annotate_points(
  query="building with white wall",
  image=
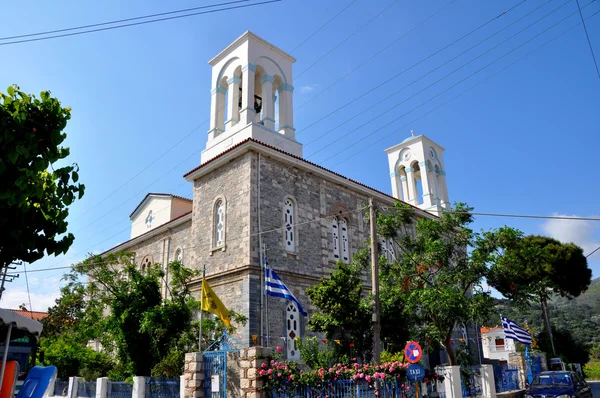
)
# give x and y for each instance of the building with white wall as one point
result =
(495, 345)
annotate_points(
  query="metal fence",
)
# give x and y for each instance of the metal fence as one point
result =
(506, 378)
(347, 389)
(162, 387)
(470, 380)
(119, 389)
(86, 389)
(61, 388)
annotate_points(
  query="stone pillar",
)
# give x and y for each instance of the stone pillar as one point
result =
(452, 386)
(268, 107)
(404, 193)
(286, 111)
(250, 361)
(139, 387)
(102, 387)
(412, 187)
(517, 360)
(233, 98)
(247, 113)
(73, 386)
(425, 183)
(217, 121)
(193, 375)
(396, 188)
(488, 383)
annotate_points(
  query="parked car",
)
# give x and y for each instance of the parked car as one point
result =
(558, 384)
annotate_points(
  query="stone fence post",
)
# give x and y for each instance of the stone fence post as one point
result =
(193, 375)
(73, 386)
(488, 383)
(250, 361)
(517, 359)
(139, 387)
(451, 384)
(102, 387)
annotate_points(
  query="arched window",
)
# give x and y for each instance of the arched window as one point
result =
(289, 219)
(146, 263)
(179, 254)
(219, 224)
(292, 317)
(341, 249)
(387, 249)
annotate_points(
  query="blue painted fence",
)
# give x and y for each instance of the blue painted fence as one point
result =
(470, 380)
(86, 389)
(120, 389)
(506, 378)
(61, 388)
(347, 389)
(162, 387)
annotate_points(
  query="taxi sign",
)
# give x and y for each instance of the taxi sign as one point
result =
(415, 372)
(413, 352)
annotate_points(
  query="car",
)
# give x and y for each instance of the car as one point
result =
(558, 384)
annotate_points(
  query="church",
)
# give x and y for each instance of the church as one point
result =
(255, 197)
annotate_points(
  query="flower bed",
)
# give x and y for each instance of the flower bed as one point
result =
(286, 376)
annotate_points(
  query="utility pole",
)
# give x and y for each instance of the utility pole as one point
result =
(545, 310)
(201, 302)
(6, 277)
(375, 284)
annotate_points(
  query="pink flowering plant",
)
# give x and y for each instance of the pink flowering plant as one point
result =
(287, 376)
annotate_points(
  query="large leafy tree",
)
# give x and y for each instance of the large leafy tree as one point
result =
(36, 192)
(539, 267)
(437, 275)
(433, 282)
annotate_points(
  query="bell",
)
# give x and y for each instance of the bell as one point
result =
(257, 104)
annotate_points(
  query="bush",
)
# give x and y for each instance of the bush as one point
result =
(316, 354)
(591, 370)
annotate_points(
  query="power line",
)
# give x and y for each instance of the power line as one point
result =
(463, 92)
(424, 75)
(594, 251)
(119, 21)
(588, 39)
(443, 91)
(279, 229)
(138, 23)
(197, 127)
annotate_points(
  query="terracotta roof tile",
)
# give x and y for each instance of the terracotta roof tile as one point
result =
(485, 329)
(35, 315)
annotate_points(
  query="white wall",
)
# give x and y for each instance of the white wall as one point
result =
(493, 351)
(161, 213)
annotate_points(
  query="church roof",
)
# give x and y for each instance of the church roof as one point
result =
(166, 195)
(250, 140)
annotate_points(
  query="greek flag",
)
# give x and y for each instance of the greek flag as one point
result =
(276, 288)
(515, 332)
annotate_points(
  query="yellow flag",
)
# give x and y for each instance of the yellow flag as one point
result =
(212, 304)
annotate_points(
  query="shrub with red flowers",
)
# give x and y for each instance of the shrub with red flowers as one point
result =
(286, 376)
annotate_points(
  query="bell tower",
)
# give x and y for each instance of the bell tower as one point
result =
(251, 97)
(418, 174)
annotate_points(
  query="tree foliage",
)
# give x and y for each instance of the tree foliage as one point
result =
(537, 267)
(123, 308)
(34, 200)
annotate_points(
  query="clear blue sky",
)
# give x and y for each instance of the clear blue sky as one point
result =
(523, 141)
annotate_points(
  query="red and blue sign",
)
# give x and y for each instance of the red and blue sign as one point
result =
(415, 372)
(413, 352)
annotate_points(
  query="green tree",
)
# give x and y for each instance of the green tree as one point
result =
(437, 276)
(570, 350)
(34, 200)
(539, 267)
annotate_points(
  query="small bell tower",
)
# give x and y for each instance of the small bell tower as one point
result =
(251, 97)
(418, 174)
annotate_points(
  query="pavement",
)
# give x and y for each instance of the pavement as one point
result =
(595, 386)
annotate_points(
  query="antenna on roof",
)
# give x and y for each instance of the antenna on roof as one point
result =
(412, 132)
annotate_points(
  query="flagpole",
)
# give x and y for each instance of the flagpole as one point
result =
(266, 301)
(201, 298)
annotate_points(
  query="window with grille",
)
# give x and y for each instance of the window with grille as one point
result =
(293, 331)
(289, 219)
(341, 249)
(219, 227)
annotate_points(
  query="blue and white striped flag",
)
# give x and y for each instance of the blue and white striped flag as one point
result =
(276, 288)
(515, 332)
